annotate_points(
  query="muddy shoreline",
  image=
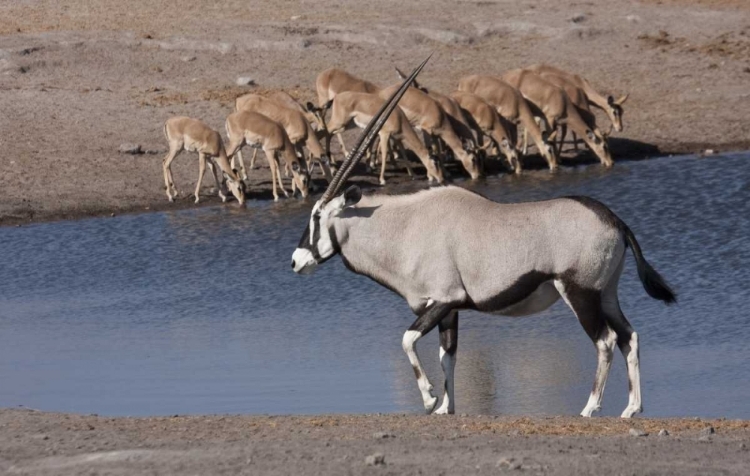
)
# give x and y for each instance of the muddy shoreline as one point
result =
(261, 189)
(33, 442)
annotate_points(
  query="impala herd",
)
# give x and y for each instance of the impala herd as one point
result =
(481, 118)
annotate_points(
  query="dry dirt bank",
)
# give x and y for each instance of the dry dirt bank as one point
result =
(78, 79)
(65, 444)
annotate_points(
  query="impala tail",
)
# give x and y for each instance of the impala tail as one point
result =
(653, 283)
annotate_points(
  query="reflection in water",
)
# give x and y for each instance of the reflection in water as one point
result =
(198, 312)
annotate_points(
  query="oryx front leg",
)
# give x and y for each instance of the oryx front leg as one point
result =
(424, 324)
(448, 344)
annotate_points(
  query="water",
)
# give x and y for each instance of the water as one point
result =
(198, 312)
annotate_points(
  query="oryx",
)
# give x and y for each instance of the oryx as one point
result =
(447, 249)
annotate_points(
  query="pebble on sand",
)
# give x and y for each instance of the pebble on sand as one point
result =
(637, 432)
(132, 149)
(245, 81)
(376, 459)
(663, 432)
(378, 435)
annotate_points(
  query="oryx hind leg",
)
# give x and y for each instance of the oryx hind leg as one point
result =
(587, 306)
(424, 324)
(627, 341)
(448, 345)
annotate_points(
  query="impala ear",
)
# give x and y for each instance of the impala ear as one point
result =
(467, 145)
(295, 166)
(352, 196)
(327, 105)
(551, 136)
(622, 100)
(310, 106)
(610, 100)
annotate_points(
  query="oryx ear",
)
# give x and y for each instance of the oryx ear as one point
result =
(620, 101)
(310, 106)
(352, 196)
(295, 166)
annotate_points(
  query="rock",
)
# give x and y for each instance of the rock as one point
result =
(188, 59)
(509, 463)
(663, 432)
(707, 431)
(578, 18)
(633, 18)
(245, 81)
(295, 17)
(637, 432)
(133, 149)
(377, 459)
(743, 446)
(379, 435)
(709, 152)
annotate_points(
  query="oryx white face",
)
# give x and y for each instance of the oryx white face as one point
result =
(319, 243)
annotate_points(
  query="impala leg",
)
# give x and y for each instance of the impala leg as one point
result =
(448, 345)
(201, 173)
(277, 161)
(424, 324)
(167, 169)
(404, 158)
(563, 133)
(575, 141)
(587, 306)
(219, 185)
(252, 159)
(341, 141)
(525, 149)
(237, 157)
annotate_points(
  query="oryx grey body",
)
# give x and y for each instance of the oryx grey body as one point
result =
(457, 250)
(448, 249)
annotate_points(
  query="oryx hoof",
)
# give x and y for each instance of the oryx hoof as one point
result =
(429, 405)
(588, 411)
(444, 410)
(631, 411)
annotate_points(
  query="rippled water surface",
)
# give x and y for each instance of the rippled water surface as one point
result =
(198, 312)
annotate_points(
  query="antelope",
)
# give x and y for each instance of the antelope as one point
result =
(359, 108)
(294, 123)
(286, 99)
(457, 250)
(455, 114)
(424, 113)
(257, 130)
(612, 107)
(578, 98)
(510, 105)
(192, 135)
(488, 123)
(328, 84)
(557, 110)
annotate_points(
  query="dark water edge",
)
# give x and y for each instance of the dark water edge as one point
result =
(196, 311)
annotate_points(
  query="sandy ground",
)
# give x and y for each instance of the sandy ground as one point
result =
(63, 444)
(77, 79)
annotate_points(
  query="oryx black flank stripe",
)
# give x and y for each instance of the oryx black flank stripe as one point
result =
(515, 293)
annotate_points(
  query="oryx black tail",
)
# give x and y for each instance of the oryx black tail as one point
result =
(653, 282)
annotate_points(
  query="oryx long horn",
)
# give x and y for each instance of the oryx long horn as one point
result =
(368, 135)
